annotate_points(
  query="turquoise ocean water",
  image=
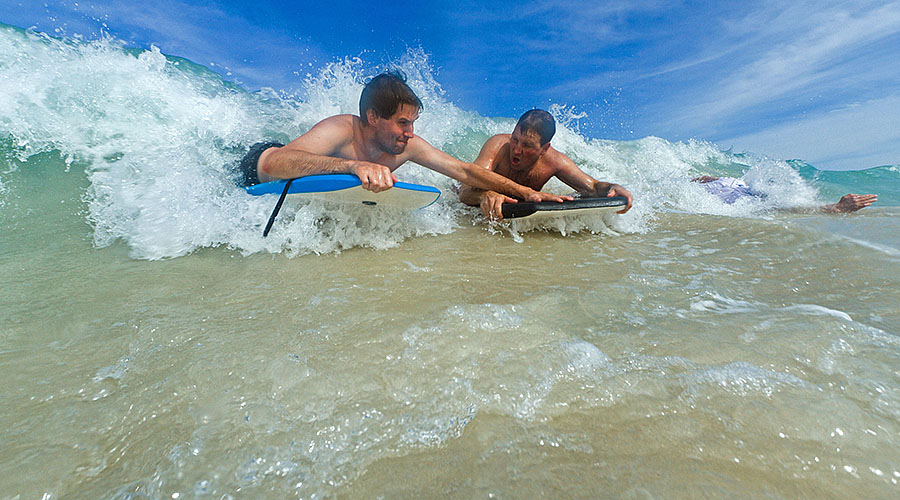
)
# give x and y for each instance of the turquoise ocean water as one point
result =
(154, 345)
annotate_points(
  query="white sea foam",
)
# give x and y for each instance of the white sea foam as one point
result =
(819, 310)
(740, 378)
(723, 305)
(885, 249)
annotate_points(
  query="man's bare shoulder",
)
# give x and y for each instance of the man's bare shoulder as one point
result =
(338, 123)
(498, 139)
(487, 157)
(340, 120)
(557, 159)
(494, 143)
(335, 130)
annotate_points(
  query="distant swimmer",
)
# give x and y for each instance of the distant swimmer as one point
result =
(371, 146)
(526, 157)
(730, 189)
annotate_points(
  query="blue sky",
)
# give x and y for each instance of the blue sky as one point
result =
(817, 80)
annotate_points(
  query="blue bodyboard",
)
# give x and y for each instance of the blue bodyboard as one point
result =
(347, 188)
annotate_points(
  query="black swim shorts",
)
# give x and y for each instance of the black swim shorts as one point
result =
(246, 170)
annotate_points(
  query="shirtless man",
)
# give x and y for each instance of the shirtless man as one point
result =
(371, 146)
(526, 157)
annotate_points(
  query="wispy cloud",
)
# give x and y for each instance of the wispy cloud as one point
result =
(861, 135)
(557, 28)
(736, 72)
(779, 71)
(203, 32)
(815, 55)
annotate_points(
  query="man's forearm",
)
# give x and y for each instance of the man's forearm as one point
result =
(485, 180)
(291, 163)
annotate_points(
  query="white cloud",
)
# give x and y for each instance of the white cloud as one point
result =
(814, 53)
(201, 32)
(788, 72)
(860, 136)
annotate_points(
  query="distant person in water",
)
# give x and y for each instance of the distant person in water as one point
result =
(371, 146)
(526, 157)
(730, 189)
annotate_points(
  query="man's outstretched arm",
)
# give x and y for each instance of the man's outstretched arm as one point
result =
(470, 174)
(851, 203)
(575, 178)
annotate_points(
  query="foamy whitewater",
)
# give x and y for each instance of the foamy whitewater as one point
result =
(154, 345)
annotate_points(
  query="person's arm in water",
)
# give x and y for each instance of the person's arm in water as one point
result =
(847, 203)
(471, 174)
(575, 178)
(315, 153)
(851, 203)
(490, 202)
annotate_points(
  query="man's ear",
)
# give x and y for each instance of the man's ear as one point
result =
(371, 115)
(545, 147)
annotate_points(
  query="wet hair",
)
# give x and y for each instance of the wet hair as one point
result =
(539, 121)
(385, 94)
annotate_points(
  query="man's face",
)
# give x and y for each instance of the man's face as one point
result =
(393, 134)
(525, 149)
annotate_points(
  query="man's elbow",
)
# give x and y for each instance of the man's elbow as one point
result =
(468, 196)
(267, 163)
